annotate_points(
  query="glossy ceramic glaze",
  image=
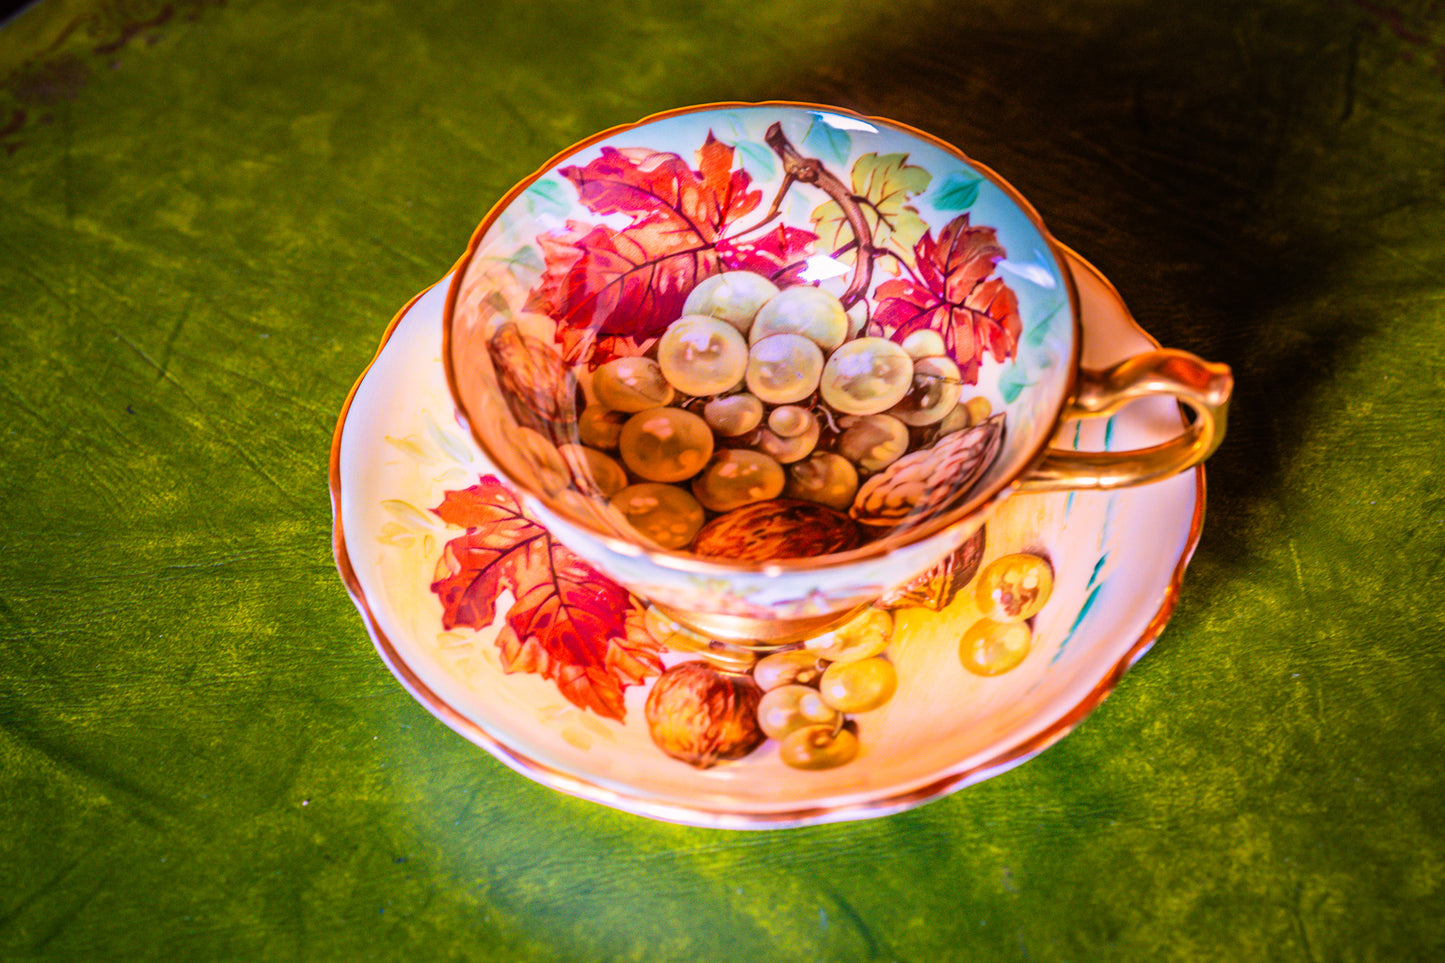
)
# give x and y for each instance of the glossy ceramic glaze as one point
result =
(1117, 557)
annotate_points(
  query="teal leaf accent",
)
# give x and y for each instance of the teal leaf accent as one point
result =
(1083, 613)
(1039, 332)
(1012, 384)
(546, 196)
(528, 257)
(826, 139)
(957, 192)
(757, 159)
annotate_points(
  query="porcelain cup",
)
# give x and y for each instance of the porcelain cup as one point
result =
(904, 353)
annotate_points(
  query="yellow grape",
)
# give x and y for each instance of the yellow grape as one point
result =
(866, 376)
(799, 434)
(818, 747)
(865, 635)
(992, 648)
(790, 707)
(825, 478)
(702, 356)
(784, 368)
(666, 444)
(631, 385)
(1013, 588)
(736, 477)
(600, 426)
(592, 470)
(937, 384)
(924, 343)
(872, 442)
(794, 666)
(811, 312)
(733, 415)
(733, 296)
(664, 513)
(859, 686)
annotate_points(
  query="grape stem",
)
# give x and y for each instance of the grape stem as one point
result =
(810, 170)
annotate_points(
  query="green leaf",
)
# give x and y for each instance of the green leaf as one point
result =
(957, 192)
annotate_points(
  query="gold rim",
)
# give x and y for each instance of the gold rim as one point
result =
(701, 815)
(693, 564)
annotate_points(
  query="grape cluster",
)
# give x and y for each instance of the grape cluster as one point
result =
(758, 393)
(810, 693)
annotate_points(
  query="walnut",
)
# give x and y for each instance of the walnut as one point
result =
(702, 715)
(938, 586)
(929, 481)
(540, 391)
(776, 529)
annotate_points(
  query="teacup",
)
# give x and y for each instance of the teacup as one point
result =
(763, 363)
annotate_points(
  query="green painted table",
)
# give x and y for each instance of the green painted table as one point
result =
(209, 212)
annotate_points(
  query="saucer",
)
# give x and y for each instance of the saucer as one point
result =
(570, 713)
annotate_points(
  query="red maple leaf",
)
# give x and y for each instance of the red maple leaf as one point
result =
(955, 296)
(568, 623)
(631, 282)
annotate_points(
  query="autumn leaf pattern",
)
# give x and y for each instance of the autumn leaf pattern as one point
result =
(568, 624)
(602, 283)
(955, 294)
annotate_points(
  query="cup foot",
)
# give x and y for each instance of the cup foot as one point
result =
(735, 642)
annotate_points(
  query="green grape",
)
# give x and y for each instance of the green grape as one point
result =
(591, 470)
(992, 648)
(865, 635)
(631, 385)
(937, 384)
(791, 434)
(818, 747)
(600, 427)
(859, 686)
(872, 442)
(795, 666)
(736, 477)
(666, 444)
(824, 478)
(733, 296)
(924, 343)
(811, 312)
(784, 368)
(702, 356)
(866, 376)
(1014, 587)
(979, 409)
(664, 513)
(733, 415)
(790, 707)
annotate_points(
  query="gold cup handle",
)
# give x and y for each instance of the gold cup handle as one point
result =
(1202, 386)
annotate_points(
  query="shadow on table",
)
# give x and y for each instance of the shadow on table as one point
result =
(1178, 149)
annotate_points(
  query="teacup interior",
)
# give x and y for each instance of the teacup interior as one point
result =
(762, 332)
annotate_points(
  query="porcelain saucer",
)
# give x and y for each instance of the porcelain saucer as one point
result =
(575, 721)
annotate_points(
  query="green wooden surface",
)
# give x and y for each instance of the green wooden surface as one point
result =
(209, 212)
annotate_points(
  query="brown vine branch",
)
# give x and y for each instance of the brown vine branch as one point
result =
(810, 170)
